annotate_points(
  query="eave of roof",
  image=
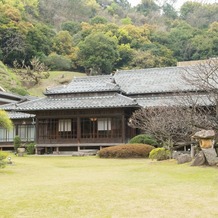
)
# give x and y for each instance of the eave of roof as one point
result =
(19, 115)
(11, 96)
(89, 102)
(175, 100)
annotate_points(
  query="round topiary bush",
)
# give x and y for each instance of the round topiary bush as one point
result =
(126, 151)
(159, 154)
(143, 139)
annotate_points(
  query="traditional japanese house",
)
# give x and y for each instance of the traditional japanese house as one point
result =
(90, 112)
(23, 123)
(93, 111)
(23, 126)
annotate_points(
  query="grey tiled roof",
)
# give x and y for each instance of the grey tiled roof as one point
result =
(19, 115)
(7, 97)
(86, 84)
(102, 91)
(11, 95)
(112, 100)
(153, 80)
(174, 100)
(8, 107)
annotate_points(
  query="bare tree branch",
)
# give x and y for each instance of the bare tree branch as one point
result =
(171, 124)
(33, 72)
(204, 76)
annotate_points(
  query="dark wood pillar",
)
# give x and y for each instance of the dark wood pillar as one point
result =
(36, 126)
(123, 129)
(78, 129)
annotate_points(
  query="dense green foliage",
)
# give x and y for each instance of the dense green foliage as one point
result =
(17, 142)
(143, 139)
(58, 62)
(102, 35)
(126, 151)
(98, 53)
(159, 154)
(5, 121)
(30, 148)
(3, 156)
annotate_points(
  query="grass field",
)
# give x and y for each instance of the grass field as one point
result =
(50, 187)
(56, 78)
(9, 79)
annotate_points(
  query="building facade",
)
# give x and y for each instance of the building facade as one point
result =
(93, 111)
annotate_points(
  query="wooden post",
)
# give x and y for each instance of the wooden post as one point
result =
(78, 129)
(36, 150)
(57, 150)
(36, 130)
(192, 151)
(123, 129)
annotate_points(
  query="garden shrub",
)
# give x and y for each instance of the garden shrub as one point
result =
(30, 148)
(126, 151)
(17, 142)
(143, 139)
(19, 91)
(3, 156)
(58, 62)
(159, 154)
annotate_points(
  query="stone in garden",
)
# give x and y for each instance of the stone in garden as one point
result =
(199, 159)
(204, 134)
(211, 156)
(184, 158)
(205, 138)
(176, 154)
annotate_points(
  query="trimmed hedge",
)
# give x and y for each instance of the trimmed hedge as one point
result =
(159, 154)
(126, 151)
(143, 139)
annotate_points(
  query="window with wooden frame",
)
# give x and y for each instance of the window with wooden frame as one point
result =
(104, 127)
(7, 135)
(96, 127)
(67, 128)
(26, 132)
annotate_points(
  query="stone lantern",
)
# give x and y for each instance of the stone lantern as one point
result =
(205, 138)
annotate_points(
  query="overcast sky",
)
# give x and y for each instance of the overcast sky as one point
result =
(177, 4)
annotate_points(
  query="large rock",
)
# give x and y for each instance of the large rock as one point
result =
(184, 158)
(211, 156)
(199, 159)
(176, 154)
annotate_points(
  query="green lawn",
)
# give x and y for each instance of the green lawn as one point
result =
(50, 187)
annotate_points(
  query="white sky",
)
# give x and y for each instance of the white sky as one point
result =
(177, 4)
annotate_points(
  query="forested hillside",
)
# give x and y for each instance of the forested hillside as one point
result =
(99, 36)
